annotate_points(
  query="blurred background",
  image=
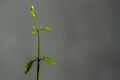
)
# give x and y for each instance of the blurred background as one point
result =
(84, 40)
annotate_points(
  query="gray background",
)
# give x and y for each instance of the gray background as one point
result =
(84, 40)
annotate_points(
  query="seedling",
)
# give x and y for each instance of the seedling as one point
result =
(37, 29)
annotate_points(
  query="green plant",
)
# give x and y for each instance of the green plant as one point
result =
(37, 29)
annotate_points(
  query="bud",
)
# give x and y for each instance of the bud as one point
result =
(32, 10)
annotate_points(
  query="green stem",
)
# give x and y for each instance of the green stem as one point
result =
(38, 31)
(38, 69)
(38, 60)
(36, 22)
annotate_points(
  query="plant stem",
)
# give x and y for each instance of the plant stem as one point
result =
(38, 31)
(38, 69)
(38, 60)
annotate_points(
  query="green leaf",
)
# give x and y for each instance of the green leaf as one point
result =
(35, 55)
(46, 29)
(28, 66)
(49, 59)
(33, 33)
(34, 27)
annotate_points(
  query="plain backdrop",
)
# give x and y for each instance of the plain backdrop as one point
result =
(84, 40)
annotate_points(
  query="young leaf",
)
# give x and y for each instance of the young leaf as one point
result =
(33, 33)
(34, 27)
(49, 59)
(28, 66)
(46, 29)
(35, 55)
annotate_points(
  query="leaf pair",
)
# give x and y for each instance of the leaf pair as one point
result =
(45, 58)
(35, 28)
